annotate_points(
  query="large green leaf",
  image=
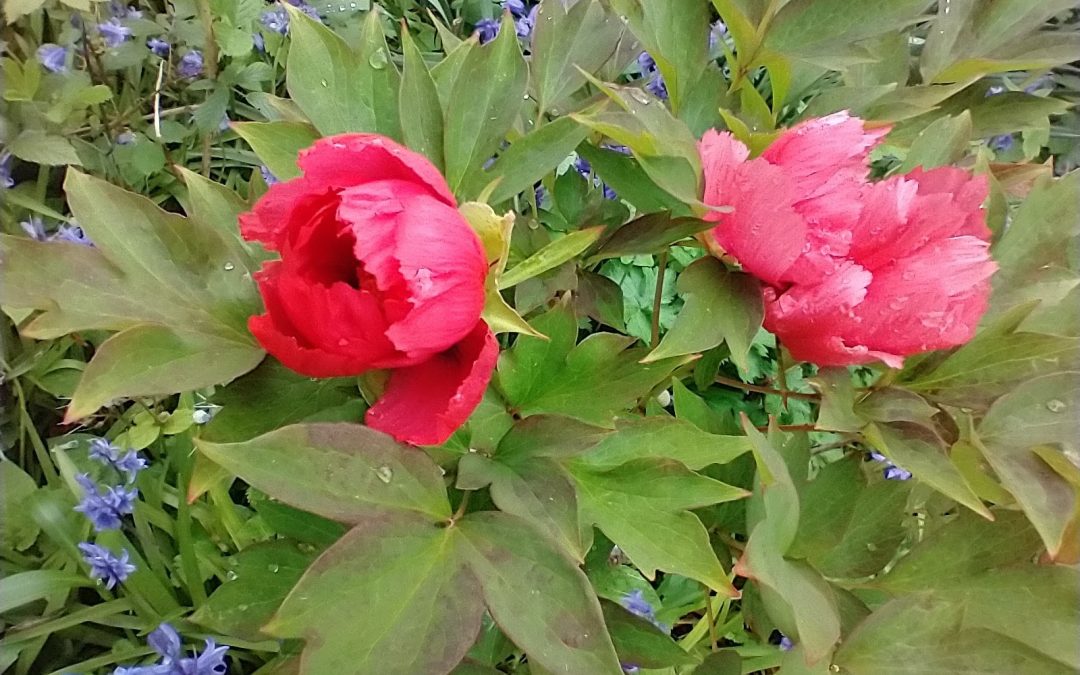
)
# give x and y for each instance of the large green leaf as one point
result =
(277, 144)
(643, 507)
(675, 33)
(1039, 412)
(663, 437)
(530, 158)
(919, 451)
(592, 382)
(181, 286)
(483, 104)
(535, 489)
(421, 112)
(804, 602)
(583, 36)
(962, 548)
(639, 642)
(340, 471)
(536, 594)
(260, 578)
(402, 601)
(810, 28)
(338, 88)
(662, 144)
(848, 528)
(626, 177)
(551, 256)
(721, 306)
(648, 235)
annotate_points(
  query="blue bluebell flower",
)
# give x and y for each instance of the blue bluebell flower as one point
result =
(516, 7)
(34, 227)
(541, 193)
(630, 668)
(616, 147)
(105, 508)
(166, 642)
(126, 137)
(785, 643)
(105, 565)
(6, 181)
(609, 193)
(159, 47)
(891, 471)
(717, 32)
(646, 63)
(52, 57)
(657, 87)
(635, 603)
(129, 464)
(487, 29)
(259, 41)
(113, 32)
(524, 26)
(582, 166)
(72, 233)
(276, 20)
(191, 65)
(1002, 143)
(268, 177)
(306, 8)
(995, 90)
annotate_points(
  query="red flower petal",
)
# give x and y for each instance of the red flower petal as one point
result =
(284, 205)
(763, 232)
(426, 403)
(422, 251)
(346, 160)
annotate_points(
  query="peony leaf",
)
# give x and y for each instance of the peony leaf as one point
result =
(420, 109)
(277, 144)
(721, 306)
(528, 159)
(340, 471)
(634, 501)
(551, 256)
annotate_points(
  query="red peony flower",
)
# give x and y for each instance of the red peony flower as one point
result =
(854, 271)
(377, 270)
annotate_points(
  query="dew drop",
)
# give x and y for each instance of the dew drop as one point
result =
(323, 83)
(274, 568)
(378, 59)
(385, 474)
(639, 96)
(230, 575)
(229, 267)
(1055, 406)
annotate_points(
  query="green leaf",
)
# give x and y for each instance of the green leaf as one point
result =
(675, 35)
(919, 451)
(445, 73)
(1039, 412)
(483, 104)
(892, 404)
(340, 471)
(270, 397)
(809, 608)
(260, 577)
(174, 283)
(591, 382)
(648, 235)
(551, 256)
(920, 634)
(340, 89)
(535, 489)
(847, 528)
(943, 142)
(549, 436)
(293, 523)
(584, 36)
(721, 306)
(402, 599)
(626, 177)
(148, 360)
(529, 159)
(639, 642)
(277, 144)
(537, 596)
(663, 145)
(837, 400)
(813, 27)
(663, 438)
(17, 529)
(962, 548)
(39, 147)
(420, 110)
(633, 502)
(23, 588)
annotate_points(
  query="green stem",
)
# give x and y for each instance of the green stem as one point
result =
(658, 297)
(189, 562)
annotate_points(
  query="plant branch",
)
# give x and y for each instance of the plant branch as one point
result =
(658, 297)
(736, 384)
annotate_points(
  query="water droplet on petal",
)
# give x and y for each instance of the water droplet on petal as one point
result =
(343, 342)
(385, 474)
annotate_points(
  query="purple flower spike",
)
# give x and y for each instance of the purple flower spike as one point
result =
(487, 29)
(159, 47)
(113, 32)
(191, 65)
(105, 565)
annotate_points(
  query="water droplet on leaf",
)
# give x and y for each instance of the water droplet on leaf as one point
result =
(1055, 406)
(385, 474)
(229, 267)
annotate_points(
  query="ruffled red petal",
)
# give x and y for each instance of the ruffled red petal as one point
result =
(424, 404)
